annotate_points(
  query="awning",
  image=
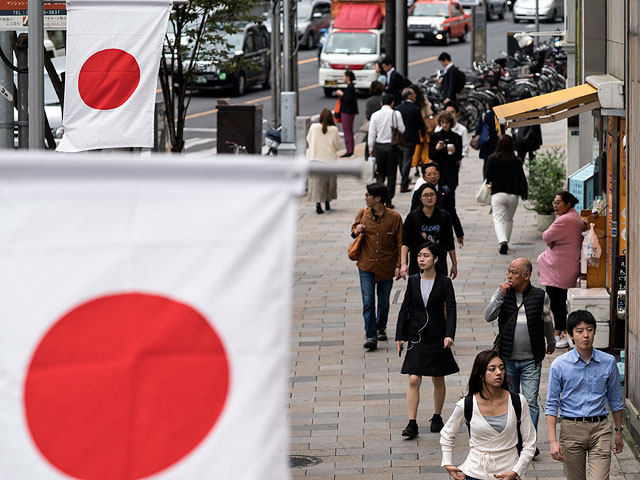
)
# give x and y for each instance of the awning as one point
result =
(549, 107)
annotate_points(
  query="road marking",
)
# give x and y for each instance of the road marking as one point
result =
(256, 100)
(308, 60)
(201, 114)
(199, 129)
(424, 60)
(193, 142)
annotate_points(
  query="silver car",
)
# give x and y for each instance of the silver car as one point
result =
(494, 8)
(548, 10)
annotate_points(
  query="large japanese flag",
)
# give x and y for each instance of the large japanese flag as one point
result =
(144, 315)
(113, 56)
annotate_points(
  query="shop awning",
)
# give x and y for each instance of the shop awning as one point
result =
(549, 107)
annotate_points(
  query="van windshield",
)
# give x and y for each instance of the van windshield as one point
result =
(430, 10)
(351, 43)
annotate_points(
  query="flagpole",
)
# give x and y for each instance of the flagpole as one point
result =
(36, 74)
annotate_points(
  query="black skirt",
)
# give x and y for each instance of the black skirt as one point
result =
(427, 358)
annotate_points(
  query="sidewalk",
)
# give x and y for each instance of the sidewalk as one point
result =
(348, 407)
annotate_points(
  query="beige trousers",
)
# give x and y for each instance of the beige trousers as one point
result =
(579, 439)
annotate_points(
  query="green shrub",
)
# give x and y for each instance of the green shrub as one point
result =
(546, 178)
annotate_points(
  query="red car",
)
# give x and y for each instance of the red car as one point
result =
(438, 21)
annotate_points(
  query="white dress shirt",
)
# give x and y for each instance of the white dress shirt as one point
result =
(381, 123)
(462, 131)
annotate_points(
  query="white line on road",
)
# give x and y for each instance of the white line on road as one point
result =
(198, 129)
(192, 142)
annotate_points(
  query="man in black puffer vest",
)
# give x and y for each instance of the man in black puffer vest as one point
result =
(523, 330)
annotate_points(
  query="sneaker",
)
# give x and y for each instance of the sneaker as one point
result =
(371, 344)
(436, 423)
(382, 335)
(562, 341)
(412, 430)
(504, 249)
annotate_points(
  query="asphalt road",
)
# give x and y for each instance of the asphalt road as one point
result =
(200, 131)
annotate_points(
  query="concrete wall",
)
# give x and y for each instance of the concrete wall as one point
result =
(593, 44)
(615, 38)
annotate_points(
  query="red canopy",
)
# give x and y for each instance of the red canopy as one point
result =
(358, 16)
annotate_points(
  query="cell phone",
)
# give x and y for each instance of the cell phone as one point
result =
(400, 351)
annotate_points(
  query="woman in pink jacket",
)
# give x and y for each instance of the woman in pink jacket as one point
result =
(559, 264)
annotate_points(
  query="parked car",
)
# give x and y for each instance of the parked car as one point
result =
(493, 8)
(312, 17)
(250, 43)
(438, 21)
(548, 10)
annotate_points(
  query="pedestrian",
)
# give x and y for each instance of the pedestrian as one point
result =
(381, 147)
(445, 148)
(508, 182)
(527, 139)
(323, 140)
(523, 331)
(395, 80)
(454, 109)
(379, 260)
(489, 136)
(448, 83)
(581, 383)
(429, 223)
(414, 128)
(445, 198)
(493, 426)
(559, 264)
(382, 76)
(427, 324)
(421, 153)
(371, 106)
(348, 110)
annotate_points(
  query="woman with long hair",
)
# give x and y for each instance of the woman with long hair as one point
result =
(323, 140)
(421, 153)
(559, 264)
(493, 427)
(427, 325)
(508, 182)
(348, 110)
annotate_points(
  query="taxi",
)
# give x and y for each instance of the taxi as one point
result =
(438, 21)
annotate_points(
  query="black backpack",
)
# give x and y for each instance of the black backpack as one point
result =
(405, 82)
(517, 406)
(461, 80)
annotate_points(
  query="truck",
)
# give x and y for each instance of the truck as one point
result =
(355, 42)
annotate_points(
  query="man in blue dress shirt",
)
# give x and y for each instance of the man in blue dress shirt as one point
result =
(581, 382)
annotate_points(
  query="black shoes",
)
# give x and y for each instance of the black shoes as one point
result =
(436, 423)
(345, 155)
(412, 430)
(319, 208)
(371, 345)
(537, 453)
(382, 334)
(504, 248)
(327, 206)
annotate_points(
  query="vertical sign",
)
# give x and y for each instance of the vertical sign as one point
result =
(612, 227)
(622, 190)
(478, 33)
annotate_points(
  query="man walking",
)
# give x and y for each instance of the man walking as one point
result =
(379, 260)
(395, 80)
(448, 85)
(413, 128)
(581, 382)
(381, 147)
(523, 331)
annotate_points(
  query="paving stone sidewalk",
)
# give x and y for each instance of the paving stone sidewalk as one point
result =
(348, 407)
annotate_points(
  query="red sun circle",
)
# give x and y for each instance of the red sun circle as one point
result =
(123, 386)
(108, 78)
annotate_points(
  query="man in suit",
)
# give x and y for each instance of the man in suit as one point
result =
(413, 128)
(445, 199)
(448, 84)
(395, 80)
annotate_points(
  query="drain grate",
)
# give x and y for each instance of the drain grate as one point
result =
(303, 461)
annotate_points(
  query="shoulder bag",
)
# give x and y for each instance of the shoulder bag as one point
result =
(397, 138)
(336, 111)
(483, 194)
(497, 342)
(356, 246)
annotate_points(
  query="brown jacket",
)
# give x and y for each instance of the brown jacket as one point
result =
(382, 244)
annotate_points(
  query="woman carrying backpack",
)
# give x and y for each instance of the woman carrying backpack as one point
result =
(494, 426)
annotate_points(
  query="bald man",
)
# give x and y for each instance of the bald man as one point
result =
(524, 330)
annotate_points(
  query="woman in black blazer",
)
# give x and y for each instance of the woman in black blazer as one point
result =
(427, 325)
(348, 110)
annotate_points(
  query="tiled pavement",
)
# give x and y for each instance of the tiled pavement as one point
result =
(348, 407)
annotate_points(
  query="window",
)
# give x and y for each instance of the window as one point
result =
(430, 10)
(250, 43)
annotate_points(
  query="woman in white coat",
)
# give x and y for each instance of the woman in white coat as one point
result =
(324, 142)
(493, 428)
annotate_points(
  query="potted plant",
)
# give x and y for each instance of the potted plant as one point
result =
(546, 178)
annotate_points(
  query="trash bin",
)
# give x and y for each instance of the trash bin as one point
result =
(241, 124)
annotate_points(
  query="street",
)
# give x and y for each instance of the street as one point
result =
(200, 131)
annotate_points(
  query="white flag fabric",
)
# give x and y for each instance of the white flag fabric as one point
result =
(113, 57)
(144, 318)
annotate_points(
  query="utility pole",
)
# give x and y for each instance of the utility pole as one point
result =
(537, 20)
(276, 61)
(288, 95)
(36, 74)
(6, 104)
(23, 89)
(401, 38)
(390, 28)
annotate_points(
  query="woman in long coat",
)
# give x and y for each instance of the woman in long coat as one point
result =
(324, 142)
(427, 326)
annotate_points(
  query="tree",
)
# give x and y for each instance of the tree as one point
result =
(197, 37)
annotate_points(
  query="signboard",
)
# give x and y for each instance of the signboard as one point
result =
(622, 191)
(13, 15)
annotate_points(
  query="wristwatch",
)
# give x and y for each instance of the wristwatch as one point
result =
(619, 429)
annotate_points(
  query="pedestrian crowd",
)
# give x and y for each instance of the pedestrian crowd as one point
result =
(500, 410)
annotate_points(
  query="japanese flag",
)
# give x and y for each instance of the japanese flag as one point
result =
(113, 57)
(144, 315)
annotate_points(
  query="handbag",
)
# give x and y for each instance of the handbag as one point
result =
(430, 123)
(397, 138)
(483, 195)
(498, 340)
(356, 246)
(336, 111)
(475, 142)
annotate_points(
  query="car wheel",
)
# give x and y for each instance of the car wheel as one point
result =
(310, 43)
(447, 38)
(501, 14)
(515, 19)
(241, 85)
(266, 84)
(489, 12)
(555, 15)
(463, 37)
(328, 92)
